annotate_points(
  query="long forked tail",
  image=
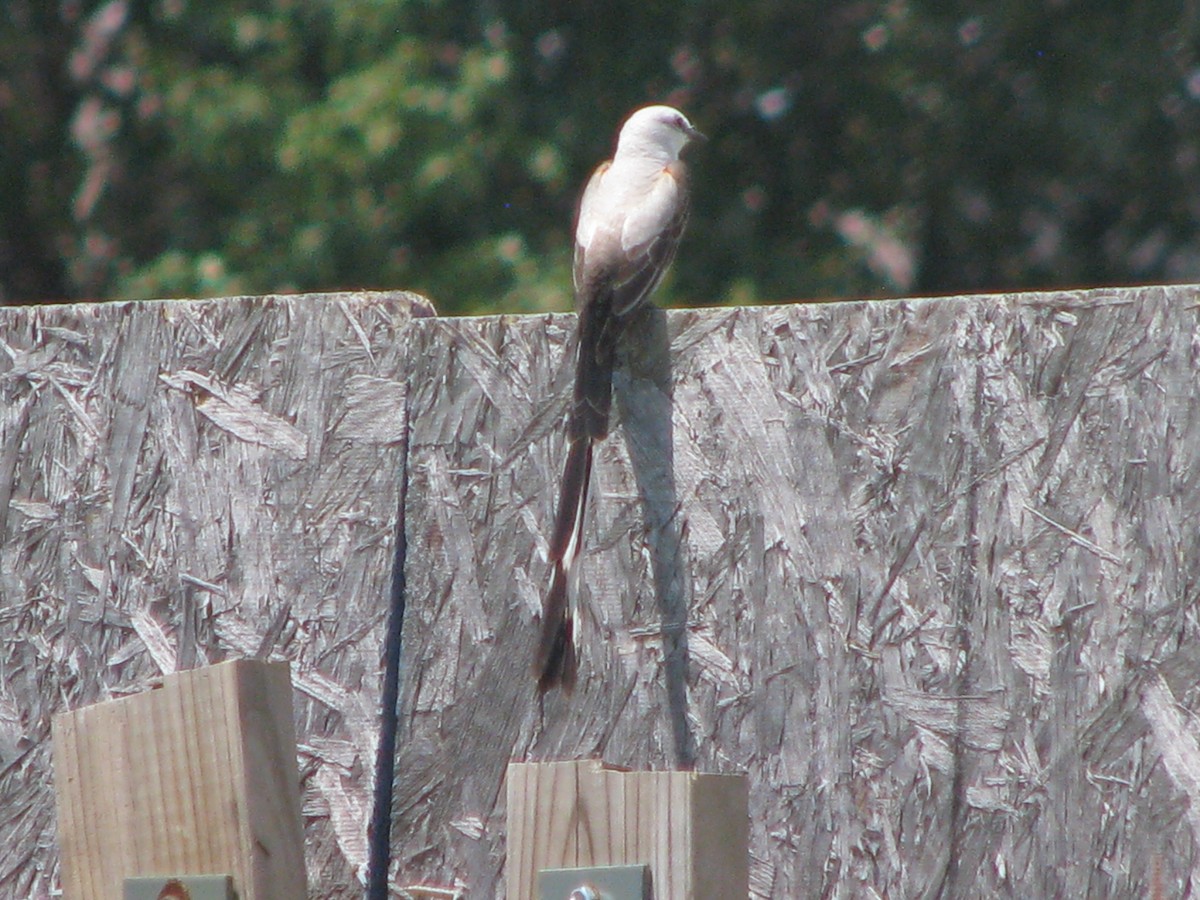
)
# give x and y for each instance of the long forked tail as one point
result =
(556, 664)
(557, 661)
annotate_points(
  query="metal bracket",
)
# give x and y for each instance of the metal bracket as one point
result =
(595, 883)
(180, 887)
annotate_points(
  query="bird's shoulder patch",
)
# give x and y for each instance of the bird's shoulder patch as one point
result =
(597, 177)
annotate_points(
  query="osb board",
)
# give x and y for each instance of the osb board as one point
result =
(925, 570)
(185, 482)
(928, 569)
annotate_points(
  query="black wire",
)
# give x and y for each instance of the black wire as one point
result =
(379, 835)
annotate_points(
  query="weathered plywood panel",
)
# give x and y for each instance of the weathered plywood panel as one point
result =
(925, 570)
(185, 482)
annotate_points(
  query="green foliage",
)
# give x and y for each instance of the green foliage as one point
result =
(187, 149)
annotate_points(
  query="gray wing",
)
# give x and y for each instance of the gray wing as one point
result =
(633, 260)
(615, 277)
(649, 239)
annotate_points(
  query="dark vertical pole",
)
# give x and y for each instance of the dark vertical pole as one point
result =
(379, 835)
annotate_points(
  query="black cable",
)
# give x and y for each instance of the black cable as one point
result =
(379, 835)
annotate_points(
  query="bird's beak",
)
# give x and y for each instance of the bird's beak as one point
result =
(695, 135)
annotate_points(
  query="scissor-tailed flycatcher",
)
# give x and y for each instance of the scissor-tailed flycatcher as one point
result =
(630, 218)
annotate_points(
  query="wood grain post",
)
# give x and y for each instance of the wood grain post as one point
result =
(691, 829)
(198, 777)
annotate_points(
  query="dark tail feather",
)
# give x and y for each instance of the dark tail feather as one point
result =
(598, 333)
(556, 663)
(572, 500)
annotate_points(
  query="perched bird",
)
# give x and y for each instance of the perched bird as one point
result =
(630, 217)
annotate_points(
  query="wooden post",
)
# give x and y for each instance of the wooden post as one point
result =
(196, 778)
(691, 829)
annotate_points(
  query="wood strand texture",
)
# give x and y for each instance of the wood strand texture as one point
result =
(187, 482)
(924, 569)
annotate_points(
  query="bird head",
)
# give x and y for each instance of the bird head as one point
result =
(658, 132)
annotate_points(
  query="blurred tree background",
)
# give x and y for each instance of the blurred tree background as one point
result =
(171, 148)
